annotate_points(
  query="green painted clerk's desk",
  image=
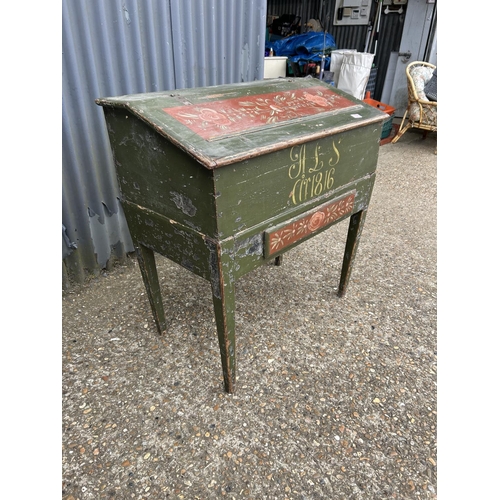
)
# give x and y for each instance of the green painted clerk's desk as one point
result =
(224, 179)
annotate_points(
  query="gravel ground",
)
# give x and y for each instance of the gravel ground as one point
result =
(335, 398)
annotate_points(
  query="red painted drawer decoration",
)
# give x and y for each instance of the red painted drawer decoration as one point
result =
(279, 238)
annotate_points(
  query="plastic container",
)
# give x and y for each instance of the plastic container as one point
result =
(387, 125)
(275, 67)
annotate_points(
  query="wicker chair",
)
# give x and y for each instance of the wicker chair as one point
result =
(420, 112)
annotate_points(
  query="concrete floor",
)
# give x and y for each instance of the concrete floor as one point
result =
(335, 398)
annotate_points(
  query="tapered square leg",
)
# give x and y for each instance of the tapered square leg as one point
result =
(353, 235)
(223, 294)
(147, 264)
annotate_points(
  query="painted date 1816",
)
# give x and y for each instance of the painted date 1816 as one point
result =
(313, 176)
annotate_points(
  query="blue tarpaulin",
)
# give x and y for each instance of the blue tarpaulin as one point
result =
(308, 47)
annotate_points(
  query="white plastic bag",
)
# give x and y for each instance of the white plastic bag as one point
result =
(355, 73)
(336, 58)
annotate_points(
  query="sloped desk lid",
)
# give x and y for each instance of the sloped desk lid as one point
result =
(225, 124)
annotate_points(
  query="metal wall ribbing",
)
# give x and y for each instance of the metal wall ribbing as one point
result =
(311, 9)
(121, 47)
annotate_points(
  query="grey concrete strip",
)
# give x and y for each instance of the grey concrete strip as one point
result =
(336, 398)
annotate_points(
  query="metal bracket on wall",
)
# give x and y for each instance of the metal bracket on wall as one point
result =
(392, 11)
(406, 56)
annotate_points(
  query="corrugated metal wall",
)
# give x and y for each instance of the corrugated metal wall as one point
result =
(117, 47)
(306, 10)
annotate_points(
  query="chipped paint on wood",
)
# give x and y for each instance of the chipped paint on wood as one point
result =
(184, 204)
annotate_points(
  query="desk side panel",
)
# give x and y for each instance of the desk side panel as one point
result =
(155, 174)
(178, 243)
